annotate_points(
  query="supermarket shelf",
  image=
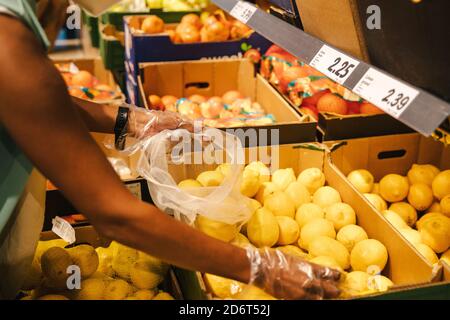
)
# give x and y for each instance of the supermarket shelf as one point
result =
(415, 107)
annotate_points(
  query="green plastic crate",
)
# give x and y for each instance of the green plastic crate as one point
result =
(112, 53)
(92, 25)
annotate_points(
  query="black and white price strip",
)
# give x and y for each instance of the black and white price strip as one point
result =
(390, 95)
(243, 11)
(334, 64)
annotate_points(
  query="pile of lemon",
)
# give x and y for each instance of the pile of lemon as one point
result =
(424, 192)
(301, 216)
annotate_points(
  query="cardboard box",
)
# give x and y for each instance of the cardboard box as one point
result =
(140, 48)
(88, 235)
(56, 203)
(405, 266)
(183, 79)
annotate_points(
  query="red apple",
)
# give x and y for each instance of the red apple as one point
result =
(369, 108)
(354, 107)
(289, 75)
(333, 104)
(315, 98)
(253, 54)
(310, 110)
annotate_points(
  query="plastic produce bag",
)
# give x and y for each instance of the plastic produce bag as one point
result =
(171, 155)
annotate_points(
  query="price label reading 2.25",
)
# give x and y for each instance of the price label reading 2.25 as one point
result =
(387, 93)
(334, 64)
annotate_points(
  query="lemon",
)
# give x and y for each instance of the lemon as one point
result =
(341, 214)
(368, 253)
(441, 184)
(446, 257)
(422, 174)
(54, 264)
(326, 262)
(394, 219)
(420, 196)
(143, 275)
(308, 212)
(314, 229)
(326, 196)
(376, 189)
(282, 178)
(379, 283)
(413, 236)
(262, 228)
(253, 293)
(325, 246)
(394, 187)
(86, 258)
(362, 180)
(163, 296)
(123, 259)
(216, 229)
(427, 216)
(224, 169)
(312, 179)
(354, 283)
(254, 205)
(144, 295)
(298, 194)
(265, 190)
(280, 204)
(427, 253)
(406, 211)
(289, 230)
(435, 232)
(376, 200)
(350, 235)
(117, 290)
(445, 205)
(250, 183)
(241, 241)
(189, 183)
(210, 178)
(92, 289)
(222, 287)
(263, 170)
(293, 251)
(435, 207)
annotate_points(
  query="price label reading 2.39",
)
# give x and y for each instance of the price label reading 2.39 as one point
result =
(334, 64)
(385, 92)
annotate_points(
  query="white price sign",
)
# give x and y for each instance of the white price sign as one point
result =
(243, 11)
(390, 95)
(334, 64)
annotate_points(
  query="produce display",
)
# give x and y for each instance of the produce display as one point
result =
(309, 90)
(82, 84)
(301, 216)
(207, 27)
(232, 109)
(166, 5)
(417, 205)
(113, 273)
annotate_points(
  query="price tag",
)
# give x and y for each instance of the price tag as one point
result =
(334, 64)
(390, 95)
(135, 189)
(63, 229)
(243, 11)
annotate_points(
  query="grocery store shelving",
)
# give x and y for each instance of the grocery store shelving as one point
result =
(415, 107)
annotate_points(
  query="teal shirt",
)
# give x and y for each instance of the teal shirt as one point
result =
(14, 166)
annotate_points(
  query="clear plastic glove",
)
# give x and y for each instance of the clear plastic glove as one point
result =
(143, 123)
(289, 277)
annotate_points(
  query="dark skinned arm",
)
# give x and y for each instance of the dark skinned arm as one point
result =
(43, 120)
(38, 113)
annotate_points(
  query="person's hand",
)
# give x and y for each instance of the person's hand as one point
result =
(289, 277)
(144, 123)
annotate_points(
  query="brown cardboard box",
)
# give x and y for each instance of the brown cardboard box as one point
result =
(335, 22)
(88, 235)
(391, 154)
(212, 78)
(405, 266)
